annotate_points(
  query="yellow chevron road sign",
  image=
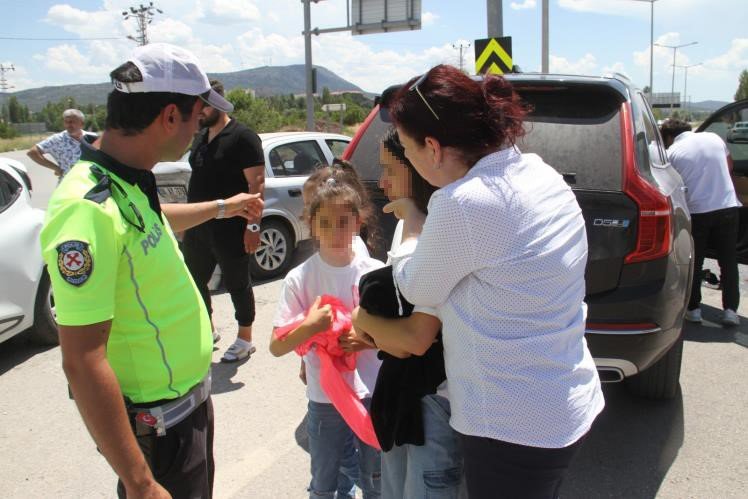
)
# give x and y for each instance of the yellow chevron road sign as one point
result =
(493, 55)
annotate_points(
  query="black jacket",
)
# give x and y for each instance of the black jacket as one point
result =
(401, 383)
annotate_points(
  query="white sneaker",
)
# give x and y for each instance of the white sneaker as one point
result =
(693, 315)
(238, 351)
(730, 318)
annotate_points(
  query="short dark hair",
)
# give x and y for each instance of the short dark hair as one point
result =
(420, 190)
(217, 86)
(133, 113)
(475, 117)
(671, 128)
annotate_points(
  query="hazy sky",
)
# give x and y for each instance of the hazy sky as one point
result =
(587, 37)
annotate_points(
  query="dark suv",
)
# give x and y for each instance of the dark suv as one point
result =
(599, 133)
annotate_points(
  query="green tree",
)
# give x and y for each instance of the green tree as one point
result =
(7, 131)
(17, 112)
(255, 113)
(742, 92)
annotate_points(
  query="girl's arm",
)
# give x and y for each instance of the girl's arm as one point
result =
(319, 319)
(399, 336)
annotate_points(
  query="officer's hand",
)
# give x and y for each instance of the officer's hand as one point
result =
(152, 490)
(244, 205)
(319, 317)
(251, 241)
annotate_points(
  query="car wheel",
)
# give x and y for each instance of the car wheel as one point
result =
(275, 252)
(44, 331)
(660, 381)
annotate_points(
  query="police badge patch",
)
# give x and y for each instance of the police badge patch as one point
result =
(74, 262)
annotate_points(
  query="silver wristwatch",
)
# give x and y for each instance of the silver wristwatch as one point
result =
(253, 227)
(221, 208)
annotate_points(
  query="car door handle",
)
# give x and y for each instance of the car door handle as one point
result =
(684, 188)
(294, 193)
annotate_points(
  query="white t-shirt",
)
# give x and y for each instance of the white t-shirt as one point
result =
(701, 160)
(301, 287)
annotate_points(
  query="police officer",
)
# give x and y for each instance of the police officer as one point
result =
(135, 335)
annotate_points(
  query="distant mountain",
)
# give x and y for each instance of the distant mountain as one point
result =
(706, 105)
(265, 81)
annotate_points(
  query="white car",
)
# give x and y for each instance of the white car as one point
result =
(26, 299)
(289, 158)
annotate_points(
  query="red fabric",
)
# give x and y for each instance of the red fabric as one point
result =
(333, 362)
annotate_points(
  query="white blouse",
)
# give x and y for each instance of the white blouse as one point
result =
(502, 258)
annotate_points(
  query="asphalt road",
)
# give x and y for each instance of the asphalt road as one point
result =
(695, 446)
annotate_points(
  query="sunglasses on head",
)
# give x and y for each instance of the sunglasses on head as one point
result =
(414, 86)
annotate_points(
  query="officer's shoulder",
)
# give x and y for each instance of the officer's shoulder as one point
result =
(75, 188)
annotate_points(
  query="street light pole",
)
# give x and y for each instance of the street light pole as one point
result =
(651, 42)
(544, 56)
(685, 82)
(675, 50)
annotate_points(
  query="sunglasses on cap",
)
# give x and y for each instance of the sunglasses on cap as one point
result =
(414, 86)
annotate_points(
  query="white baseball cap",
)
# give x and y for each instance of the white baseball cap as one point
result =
(168, 68)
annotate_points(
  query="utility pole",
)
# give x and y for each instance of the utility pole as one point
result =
(675, 50)
(544, 55)
(143, 16)
(462, 48)
(4, 85)
(494, 19)
(685, 83)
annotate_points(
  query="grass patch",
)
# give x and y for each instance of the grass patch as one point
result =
(22, 142)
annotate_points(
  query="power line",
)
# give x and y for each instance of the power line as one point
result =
(60, 39)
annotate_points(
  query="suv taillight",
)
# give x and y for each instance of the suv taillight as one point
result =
(654, 237)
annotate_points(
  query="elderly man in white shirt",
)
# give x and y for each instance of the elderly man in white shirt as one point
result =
(704, 163)
(64, 147)
(501, 256)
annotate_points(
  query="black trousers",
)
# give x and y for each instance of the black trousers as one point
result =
(182, 460)
(203, 249)
(501, 470)
(719, 230)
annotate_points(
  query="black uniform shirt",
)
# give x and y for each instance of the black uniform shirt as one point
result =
(218, 173)
(218, 166)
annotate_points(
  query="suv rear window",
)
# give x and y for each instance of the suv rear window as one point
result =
(576, 130)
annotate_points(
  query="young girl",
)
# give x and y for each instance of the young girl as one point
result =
(336, 210)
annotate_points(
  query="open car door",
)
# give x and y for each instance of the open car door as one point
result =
(729, 122)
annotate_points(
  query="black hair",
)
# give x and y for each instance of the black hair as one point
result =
(217, 86)
(134, 112)
(420, 190)
(671, 128)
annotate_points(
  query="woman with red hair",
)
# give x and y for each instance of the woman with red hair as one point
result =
(501, 256)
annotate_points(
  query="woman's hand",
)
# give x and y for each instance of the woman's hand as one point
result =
(319, 317)
(403, 208)
(355, 341)
(407, 211)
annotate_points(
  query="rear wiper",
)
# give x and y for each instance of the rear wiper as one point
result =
(569, 177)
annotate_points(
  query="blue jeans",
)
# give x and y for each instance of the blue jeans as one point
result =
(339, 458)
(432, 470)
